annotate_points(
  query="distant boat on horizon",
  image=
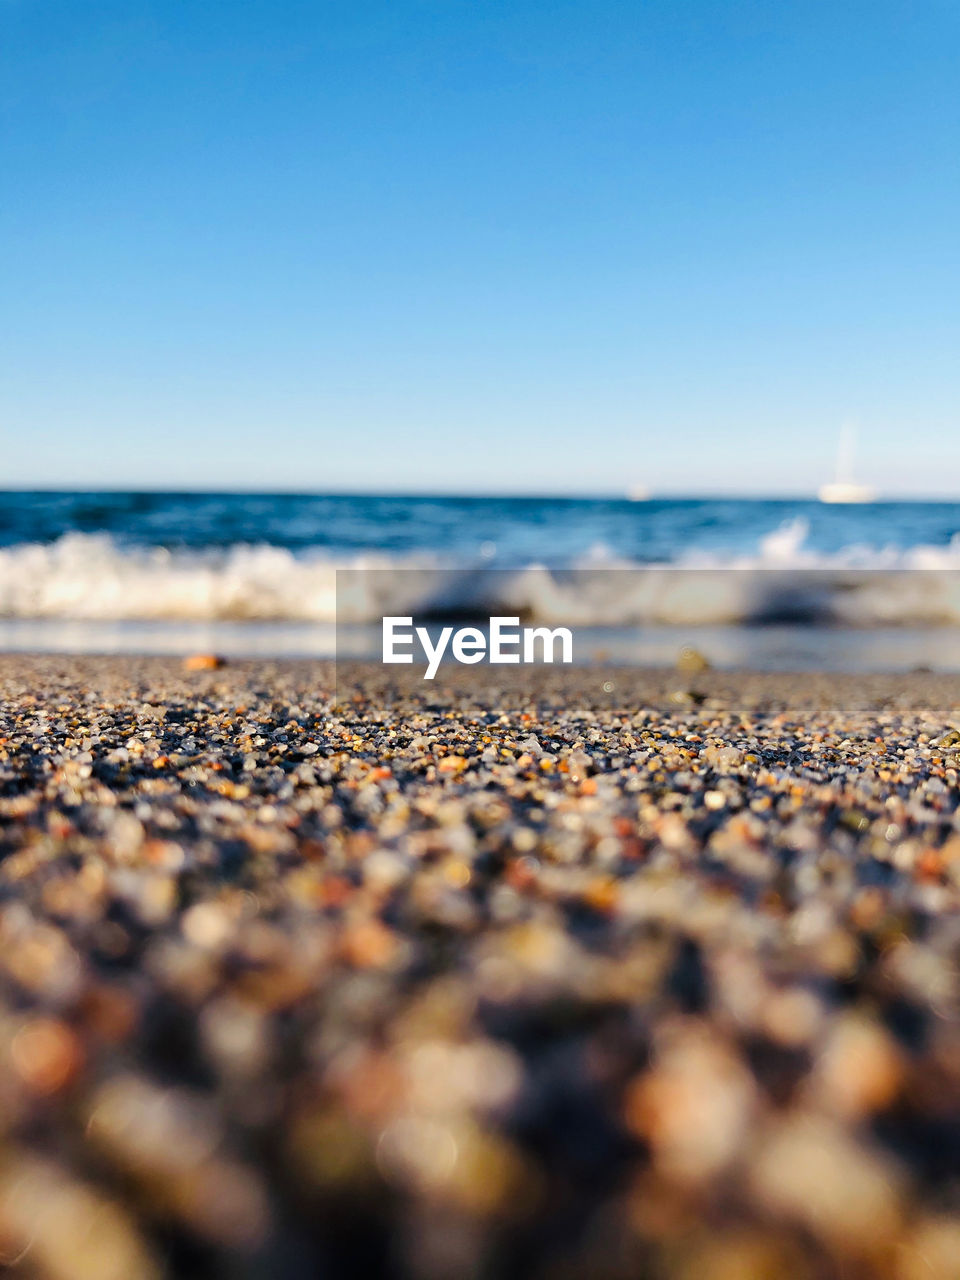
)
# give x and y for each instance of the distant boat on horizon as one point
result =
(843, 489)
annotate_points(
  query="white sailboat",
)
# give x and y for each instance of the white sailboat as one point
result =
(844, 488)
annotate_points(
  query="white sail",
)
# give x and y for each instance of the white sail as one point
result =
(844, 489)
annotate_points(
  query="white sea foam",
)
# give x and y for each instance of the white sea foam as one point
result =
(84, 577)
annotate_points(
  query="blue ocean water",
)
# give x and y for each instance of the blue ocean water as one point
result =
(512, 530)
(244, 573)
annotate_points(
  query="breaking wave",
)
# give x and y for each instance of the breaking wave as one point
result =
(90, 577)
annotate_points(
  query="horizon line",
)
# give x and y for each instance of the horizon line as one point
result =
(561, 495)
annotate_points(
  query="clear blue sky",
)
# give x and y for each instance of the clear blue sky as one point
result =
(484, 245)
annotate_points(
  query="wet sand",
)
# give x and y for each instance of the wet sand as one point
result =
(656, 979)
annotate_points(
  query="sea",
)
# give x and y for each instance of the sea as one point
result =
(768, 583)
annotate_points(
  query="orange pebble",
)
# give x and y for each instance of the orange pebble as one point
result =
(46, 1055)
(929, 865)
(369, 945)
(202, 662)
(601, 894)
(452, 764)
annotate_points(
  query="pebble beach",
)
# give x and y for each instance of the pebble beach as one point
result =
(618, 975)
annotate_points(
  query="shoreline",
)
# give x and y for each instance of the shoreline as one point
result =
(785, 650)
(545, 981)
